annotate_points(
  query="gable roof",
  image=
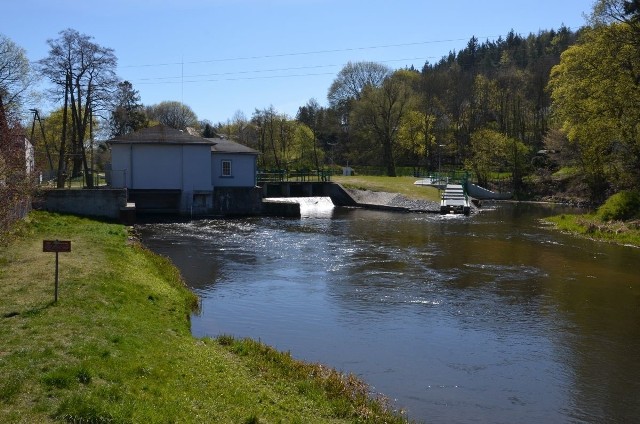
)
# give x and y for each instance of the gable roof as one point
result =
(223, 145)
(159, 134)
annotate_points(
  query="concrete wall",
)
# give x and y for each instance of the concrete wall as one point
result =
(237, 201)
(281, 209)
(100, 203)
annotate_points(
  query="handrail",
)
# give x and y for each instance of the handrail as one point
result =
(301, 175)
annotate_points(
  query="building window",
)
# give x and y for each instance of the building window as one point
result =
(226, 168)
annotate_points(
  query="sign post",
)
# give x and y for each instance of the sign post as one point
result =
(56, 246)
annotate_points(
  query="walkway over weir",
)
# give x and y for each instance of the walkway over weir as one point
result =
(454, 200)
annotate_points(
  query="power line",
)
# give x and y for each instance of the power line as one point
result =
(348, 49)
(167, 80)
(164, 80)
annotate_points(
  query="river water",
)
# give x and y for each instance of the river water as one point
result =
(489, 318)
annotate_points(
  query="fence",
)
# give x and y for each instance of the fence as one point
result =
(281, 175)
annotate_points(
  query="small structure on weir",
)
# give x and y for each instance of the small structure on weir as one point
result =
(454, 200)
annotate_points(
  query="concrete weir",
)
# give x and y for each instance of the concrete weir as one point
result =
(281, 207)
(339, 196)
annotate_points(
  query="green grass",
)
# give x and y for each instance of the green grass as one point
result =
(590, 226)
(401, 185)
(117, 347)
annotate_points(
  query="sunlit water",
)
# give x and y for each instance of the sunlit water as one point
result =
(489, 318)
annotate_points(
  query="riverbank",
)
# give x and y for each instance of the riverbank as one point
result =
(117, 346)
(384, 199)
(589, 226)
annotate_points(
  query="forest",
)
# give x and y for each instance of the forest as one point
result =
(546, 113)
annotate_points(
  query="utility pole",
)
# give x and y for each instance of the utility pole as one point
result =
(36, 115)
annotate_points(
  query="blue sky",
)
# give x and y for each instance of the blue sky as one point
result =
(223, 56)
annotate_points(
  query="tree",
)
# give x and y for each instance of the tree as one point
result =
(311, 115)
(415, 136)
(83, 74)
(208, 130)
(128, 113)
(596, 98)
(353, 79)
(492, 151)
(173, 114)
(15, 79)
(380, 111)
(15, 74)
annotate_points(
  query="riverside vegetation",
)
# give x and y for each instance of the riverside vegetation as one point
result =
(117, 346)
(617, 220)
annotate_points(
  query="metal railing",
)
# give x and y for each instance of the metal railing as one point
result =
(301, 175)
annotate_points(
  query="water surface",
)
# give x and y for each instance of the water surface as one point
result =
(489, 318)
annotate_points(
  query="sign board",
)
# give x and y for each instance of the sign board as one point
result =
(56, 246)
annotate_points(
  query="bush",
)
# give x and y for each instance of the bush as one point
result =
(621, 206)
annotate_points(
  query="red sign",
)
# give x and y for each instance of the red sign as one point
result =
(56, 245)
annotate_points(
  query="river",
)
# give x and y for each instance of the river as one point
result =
(494, 317)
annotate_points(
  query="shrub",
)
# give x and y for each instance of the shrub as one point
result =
(621, 206)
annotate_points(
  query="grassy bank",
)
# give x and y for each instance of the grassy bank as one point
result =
(617, 220)
(592, 227)
(117, 348)
(401, 185)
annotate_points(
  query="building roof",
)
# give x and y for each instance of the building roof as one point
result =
(162, 134)
(159, 134)
(223, 145)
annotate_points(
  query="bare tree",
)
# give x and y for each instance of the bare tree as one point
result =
(353, 79)
(83, 74)
(15, 73)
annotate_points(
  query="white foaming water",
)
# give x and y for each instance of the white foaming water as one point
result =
(310, 206)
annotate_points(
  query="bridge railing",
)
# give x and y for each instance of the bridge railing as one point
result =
(301, 175)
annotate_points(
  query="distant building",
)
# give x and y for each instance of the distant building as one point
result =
(168, 170)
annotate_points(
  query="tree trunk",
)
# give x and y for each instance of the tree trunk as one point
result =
(387, 149)
(63, 141)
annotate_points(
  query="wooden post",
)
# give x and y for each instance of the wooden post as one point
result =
(55, 296)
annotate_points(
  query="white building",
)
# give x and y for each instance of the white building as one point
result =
(168, 170)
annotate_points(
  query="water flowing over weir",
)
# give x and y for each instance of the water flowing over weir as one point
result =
(488, 318)
(309, 206)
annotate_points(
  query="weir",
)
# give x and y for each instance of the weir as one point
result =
(299, 189)
(296, 207)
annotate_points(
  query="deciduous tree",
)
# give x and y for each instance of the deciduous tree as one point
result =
(173, 114)
(596, 94)
(83, 74)
(380, 111)
(15, 74)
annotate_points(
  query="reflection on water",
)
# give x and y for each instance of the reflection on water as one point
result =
(490, 318)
